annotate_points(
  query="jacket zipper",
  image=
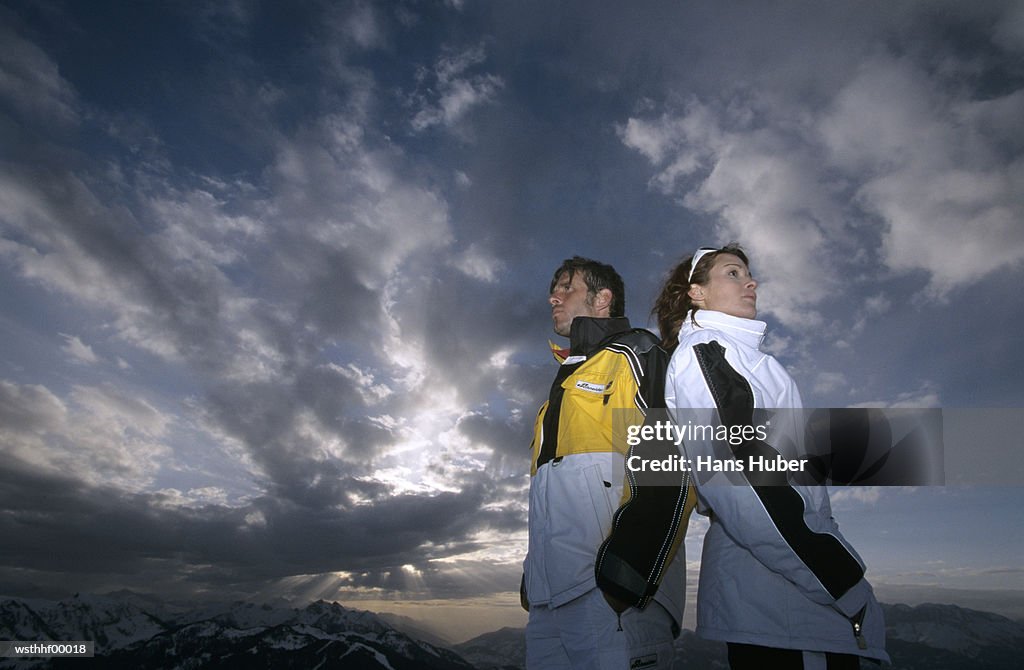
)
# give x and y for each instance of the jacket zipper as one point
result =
(858, 625)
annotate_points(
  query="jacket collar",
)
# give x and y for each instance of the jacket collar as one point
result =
(747, 331)
(588, 332)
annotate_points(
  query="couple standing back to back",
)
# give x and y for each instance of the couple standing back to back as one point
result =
(604, 576)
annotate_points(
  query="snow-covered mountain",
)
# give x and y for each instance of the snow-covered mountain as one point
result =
(110, 623)
(134, 633)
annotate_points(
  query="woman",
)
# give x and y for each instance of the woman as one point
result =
(778, 582)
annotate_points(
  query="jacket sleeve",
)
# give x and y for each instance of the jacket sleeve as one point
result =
(648, 527)
(765, 512)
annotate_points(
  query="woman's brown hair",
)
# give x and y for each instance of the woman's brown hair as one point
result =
(674, 304)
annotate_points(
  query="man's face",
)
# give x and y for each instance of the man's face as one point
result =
(568, 300)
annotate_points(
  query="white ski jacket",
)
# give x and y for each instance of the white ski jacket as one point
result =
(775, 570)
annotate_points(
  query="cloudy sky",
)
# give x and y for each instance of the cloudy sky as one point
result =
(273, 315)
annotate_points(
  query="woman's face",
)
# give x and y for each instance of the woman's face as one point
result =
(729, 288)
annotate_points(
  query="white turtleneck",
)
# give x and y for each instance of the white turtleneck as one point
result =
(741, 338)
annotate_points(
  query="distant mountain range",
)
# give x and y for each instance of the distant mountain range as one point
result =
(139, 633)
(135, 631)
(925, 637)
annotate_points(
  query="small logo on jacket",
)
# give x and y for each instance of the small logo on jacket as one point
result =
(641, 662)
(591, 386)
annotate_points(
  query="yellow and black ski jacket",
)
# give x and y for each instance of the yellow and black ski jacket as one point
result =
(592, 521)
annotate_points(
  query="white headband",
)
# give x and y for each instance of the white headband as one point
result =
(697, 255)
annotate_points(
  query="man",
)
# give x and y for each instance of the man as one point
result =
(604, 588)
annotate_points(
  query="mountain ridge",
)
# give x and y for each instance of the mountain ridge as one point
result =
(139, 631)
(217, 635)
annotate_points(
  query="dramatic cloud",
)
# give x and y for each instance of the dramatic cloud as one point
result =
(99, 435)
(274, 311)
(903, 166)
(940, 167)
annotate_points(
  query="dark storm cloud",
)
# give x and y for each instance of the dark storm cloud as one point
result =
(244, 284)
(57, 525)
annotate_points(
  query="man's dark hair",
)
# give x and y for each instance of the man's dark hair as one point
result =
(596, 276)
